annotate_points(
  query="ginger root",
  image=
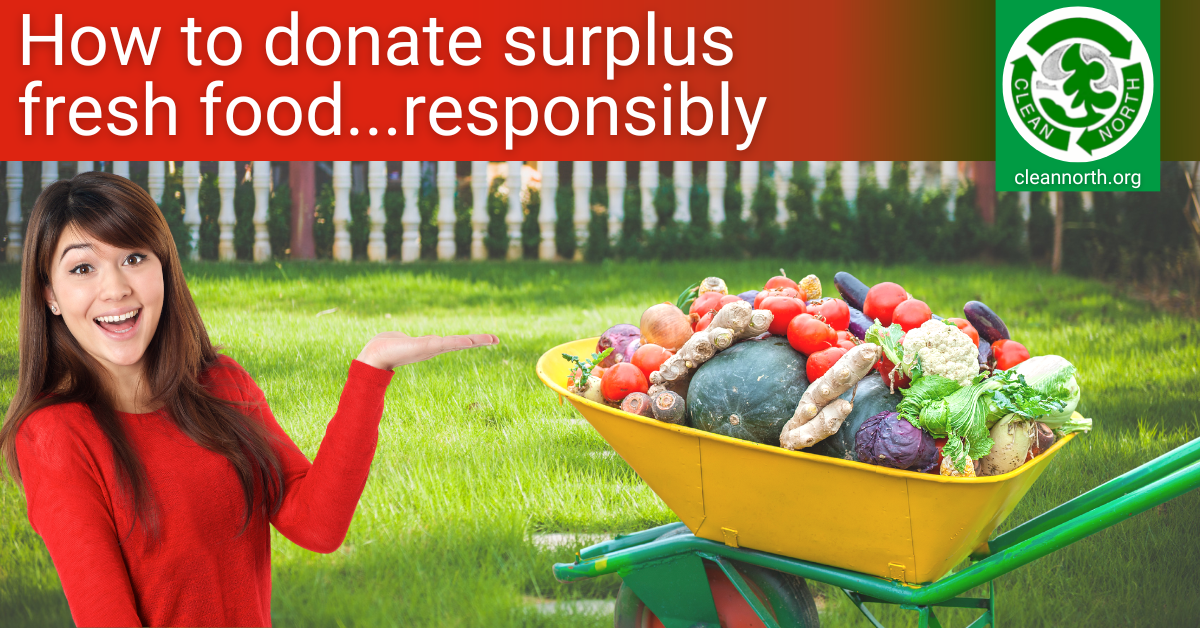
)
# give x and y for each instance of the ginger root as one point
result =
(822, 395)
(733, 322)
(825, 424)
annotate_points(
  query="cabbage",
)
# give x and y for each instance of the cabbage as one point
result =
(1054, 377)
(887, 440)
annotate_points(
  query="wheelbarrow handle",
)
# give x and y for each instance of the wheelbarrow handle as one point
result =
(1152, 471)
(1083, 525)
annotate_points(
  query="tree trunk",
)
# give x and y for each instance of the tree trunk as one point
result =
(302, 180)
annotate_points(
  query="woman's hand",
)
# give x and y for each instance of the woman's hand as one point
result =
(392, 348)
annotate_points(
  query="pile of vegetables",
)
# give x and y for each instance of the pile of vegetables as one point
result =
(873, 376)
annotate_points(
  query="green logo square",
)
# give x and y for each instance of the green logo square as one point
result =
(1077, 96)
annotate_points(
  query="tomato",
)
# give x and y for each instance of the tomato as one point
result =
(834, 311)
(1009, 353)
(621, 379)
(649, 357)
(967, 328)
(845, 335)
(784, 309)
(781, 281)
(705, 303)
(885, 366)
(808, 334)
(785, 292)
(727, 299)
(822, 361)
(845, 344)
(882, 300)
(911, 313)
(704, 321)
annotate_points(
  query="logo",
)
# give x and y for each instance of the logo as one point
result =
(1078, 84)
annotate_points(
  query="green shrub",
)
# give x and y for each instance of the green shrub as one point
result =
(1041, 227)
(735, 231)
(463, 204)
(393, 227)
(767, 236)
(496, 238)
(323, 222)
(531, 229)
(837, 239)
(802, 220)
(210, 210)
(359, 227)
(597, 247)
(243, 227)
(172, 209)
(565, 241)
(1009, 239)
(427, 205)
(632, 242)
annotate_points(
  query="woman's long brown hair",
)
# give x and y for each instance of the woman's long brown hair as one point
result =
(54, 368)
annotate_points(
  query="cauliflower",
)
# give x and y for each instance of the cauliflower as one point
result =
(940, 349)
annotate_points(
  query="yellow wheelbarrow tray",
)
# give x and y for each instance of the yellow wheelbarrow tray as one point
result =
(901, 525)
(883, 535)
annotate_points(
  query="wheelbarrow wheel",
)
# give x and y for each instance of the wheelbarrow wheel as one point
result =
(786, 597)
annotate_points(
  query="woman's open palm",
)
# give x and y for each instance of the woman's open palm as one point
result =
(392, 348)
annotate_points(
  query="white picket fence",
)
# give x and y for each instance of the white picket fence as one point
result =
(544, 174)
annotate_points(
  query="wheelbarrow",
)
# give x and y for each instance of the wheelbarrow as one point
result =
(744, 546)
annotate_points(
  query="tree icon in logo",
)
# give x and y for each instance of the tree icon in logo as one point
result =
(1078, 84)
(1080, 74)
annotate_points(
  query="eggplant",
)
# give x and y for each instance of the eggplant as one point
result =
(985, 321)
(853, 291)
(985, 355)
(859, 323)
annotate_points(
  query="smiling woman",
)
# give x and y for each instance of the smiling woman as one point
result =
(152, 465)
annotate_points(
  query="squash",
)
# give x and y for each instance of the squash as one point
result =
(871, 399)
(748, 391)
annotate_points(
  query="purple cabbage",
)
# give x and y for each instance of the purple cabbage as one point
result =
(624, 339)
(887, 440)
(748, 296)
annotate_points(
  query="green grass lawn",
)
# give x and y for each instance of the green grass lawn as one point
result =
(476, 456)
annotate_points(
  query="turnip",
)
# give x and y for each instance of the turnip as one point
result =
(1012, 439)
(623, 339)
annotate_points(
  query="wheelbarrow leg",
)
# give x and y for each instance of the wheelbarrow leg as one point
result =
(740, 584)
(926, 618)
(858, 603)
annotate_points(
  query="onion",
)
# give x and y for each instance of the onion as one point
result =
(666, 326)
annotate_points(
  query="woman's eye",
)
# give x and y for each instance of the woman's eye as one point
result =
(81, 269)
(134, 259)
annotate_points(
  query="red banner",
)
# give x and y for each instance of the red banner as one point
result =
(489, 80)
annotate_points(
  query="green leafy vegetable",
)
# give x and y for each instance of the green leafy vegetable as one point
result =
(964, 415)
(889, 339)
(585, 366)
(685, 298)
(1054, 377)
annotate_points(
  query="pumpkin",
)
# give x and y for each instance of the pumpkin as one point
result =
(748, 391)
(871, 399)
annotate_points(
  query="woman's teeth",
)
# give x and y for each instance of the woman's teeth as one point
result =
(119, 318)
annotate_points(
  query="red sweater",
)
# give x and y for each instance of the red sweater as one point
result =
(202, 572)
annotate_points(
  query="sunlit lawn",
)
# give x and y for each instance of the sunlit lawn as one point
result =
(476, 456)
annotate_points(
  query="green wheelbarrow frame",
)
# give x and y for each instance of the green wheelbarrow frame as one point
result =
(668, 575)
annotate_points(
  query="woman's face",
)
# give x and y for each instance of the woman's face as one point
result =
(110, 298)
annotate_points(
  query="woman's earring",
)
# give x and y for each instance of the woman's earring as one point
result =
(54, 309)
